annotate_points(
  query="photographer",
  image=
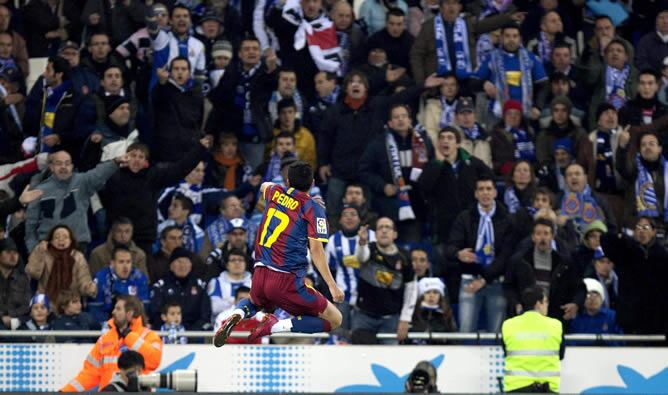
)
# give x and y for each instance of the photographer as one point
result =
(131, 364)
(422, 379)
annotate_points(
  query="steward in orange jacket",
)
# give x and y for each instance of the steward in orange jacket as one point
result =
(126, 332)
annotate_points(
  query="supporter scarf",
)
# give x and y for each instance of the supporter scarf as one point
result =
(448, 113)
(188, 236)
(273, 168)
(484, 245)
(217, 231)
(524, 147)
(461, 39)
(544, 47)
(355, 104)
(50, 102)
(232, 165)
(12, 109)
(242, 100)
(319, 34)
(7, 64)
(472, 133)
(344, 41)
(498, 66)
(331, 98)
(419, 159)
(60, 277)
(605, 174)
(483, 47)
(646, 199)
(581, 207)
(273, 105)
(511, 200)
(615, 80)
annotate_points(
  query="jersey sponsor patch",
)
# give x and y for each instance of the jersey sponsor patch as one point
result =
(321, 225)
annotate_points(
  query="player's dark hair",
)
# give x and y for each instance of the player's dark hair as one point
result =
(241, 289)
(130, 359)
(300, 176)
(120, 248)
(186, 202)
(168, 304)
(531, 296)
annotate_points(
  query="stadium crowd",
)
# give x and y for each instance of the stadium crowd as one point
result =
(466, 150)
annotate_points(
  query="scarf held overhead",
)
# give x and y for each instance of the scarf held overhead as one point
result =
(646, 198)
(461, 39)
(319, 34)
(581, 207)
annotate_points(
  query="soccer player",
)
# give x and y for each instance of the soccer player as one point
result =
(291, 223)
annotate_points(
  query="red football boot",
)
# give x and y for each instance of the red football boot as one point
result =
(225, 329)
(264, 329)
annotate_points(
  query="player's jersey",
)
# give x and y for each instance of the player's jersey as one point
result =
(290, 218)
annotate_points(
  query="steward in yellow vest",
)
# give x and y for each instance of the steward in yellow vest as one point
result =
(534, 346)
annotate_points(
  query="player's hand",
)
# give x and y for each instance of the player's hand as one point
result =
(363, 234)
(402, 330)
(337, 294)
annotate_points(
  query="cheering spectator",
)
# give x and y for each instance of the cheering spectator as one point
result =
(236, 239)
(119, 278)
(475, 139)
(181, 286)
(171, 315)
(100, 55)
(593, 55)
(222, 289)
(596, 318)
(433, 313)
(226, 168)
(652, 48)
(394, 39)
(480, 239)
(14, 286)
(440, 111)
(71, 318)
(56, 265)
(289, 121)
(120, 235)
(179, 216)
(512, 139)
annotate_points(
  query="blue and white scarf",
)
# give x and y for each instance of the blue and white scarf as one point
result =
(646, 199)
(524, 146)
(461, 39)
(273, 168)
(498, 67)
(472, 133)
(331, 98)
(273, 105)
(615, 81)
(217, 231)
(405, 208)
(511, 200)
(242, 100)
(545, 48)
(51, 101)
(581, 207)
(12, 109)
(448, 113)
(484, 245)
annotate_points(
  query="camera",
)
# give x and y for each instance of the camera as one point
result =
(178, 380)
(422, 379)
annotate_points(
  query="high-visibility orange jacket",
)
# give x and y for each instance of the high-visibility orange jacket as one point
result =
(101, 362)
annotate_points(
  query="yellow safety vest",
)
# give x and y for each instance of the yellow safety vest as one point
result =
(532, 344)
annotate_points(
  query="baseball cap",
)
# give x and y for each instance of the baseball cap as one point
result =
(8, 244)
(464, 104)
(40, 299)
(238, 223)
(68, 44)
(431, 284)
(222, 48)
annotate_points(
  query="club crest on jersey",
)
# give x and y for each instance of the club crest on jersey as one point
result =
(132, 290)
(321, 225)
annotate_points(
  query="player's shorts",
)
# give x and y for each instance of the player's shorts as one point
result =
(271, 289)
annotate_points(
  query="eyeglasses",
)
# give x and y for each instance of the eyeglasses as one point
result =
(62, 164)
(643, 227)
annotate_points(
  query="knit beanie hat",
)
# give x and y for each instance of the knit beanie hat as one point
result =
(563, 100)
(512, 105)
(603, 107)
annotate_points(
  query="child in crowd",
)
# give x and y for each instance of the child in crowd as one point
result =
(171, 316)
(39, 319)
(595, 319)
(71, 318)
(432, 311)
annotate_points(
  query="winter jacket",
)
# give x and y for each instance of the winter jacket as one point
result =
(596, 81)
(121, 20)
(178, 115)
(100, 257)
(190, 293)
(65, 202)
(134, 195)
(373, 12)
(40, 266)
(397, 49)
(651, 50)
(78, 322)
(40, 19)
(102, 360)
(15, 293)
(582, 146)
(109, 286)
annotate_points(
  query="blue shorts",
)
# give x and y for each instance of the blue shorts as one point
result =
(271, 289)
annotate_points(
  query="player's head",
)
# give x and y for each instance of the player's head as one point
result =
(300, 176)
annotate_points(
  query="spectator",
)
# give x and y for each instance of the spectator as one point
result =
(222, 289)
(19, 49)
(652, 47)
(537, 264)
(178, 110)
(356, 195)
(512, 139)
(66, 198)
(71, 318)
(11, 107)
(100, 56)
(553, 174)
(615, 82)
(433, 313)
(112, 84)
(84, 80)
(287, 89)
(387, 288)
(14, 286)
(283, 147)
(480, 239)
(221, 57)
(179, 216)
(589, 243)
(580, 203)
(375, 13)
(133, 191)
(121, 19)
(350, 36)
(562, 85)
(236, 239)
(181, 285)
(57, 265)
(645, 113)
(520, 187)
(475, 139)
(245, 325)
(127, 330)
(327, 93)
(212, 28)
(440, 111)
(120, 235)
(562, 126)
(551, 33)
(439, 49)
(420, 261)
(40, 318)
(226, 167)
(170, 238)
(511, 73)
(44, 34)
(119, 278)
(239, 99)
(289, 121)
(7, 60)
(230, 208)
(171, 316)
(341, 253)
(596, 318)
(604, 272)
(449, 186)
(593, 55)
(394, 39)
(391, 166)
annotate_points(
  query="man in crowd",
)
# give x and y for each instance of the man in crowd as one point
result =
(120, 234)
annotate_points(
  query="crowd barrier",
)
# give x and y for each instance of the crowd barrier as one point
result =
(380, 369)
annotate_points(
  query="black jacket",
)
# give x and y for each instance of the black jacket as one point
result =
(632, 112)
(135, 195)
(398, 49)
(79, 322)
(566, 284)
(178, 116)
(15, 293)
(448, 193)
(39, 20)
(190, 293)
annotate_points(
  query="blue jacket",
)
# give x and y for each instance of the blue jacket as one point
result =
(109, 285)
(605, 322)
